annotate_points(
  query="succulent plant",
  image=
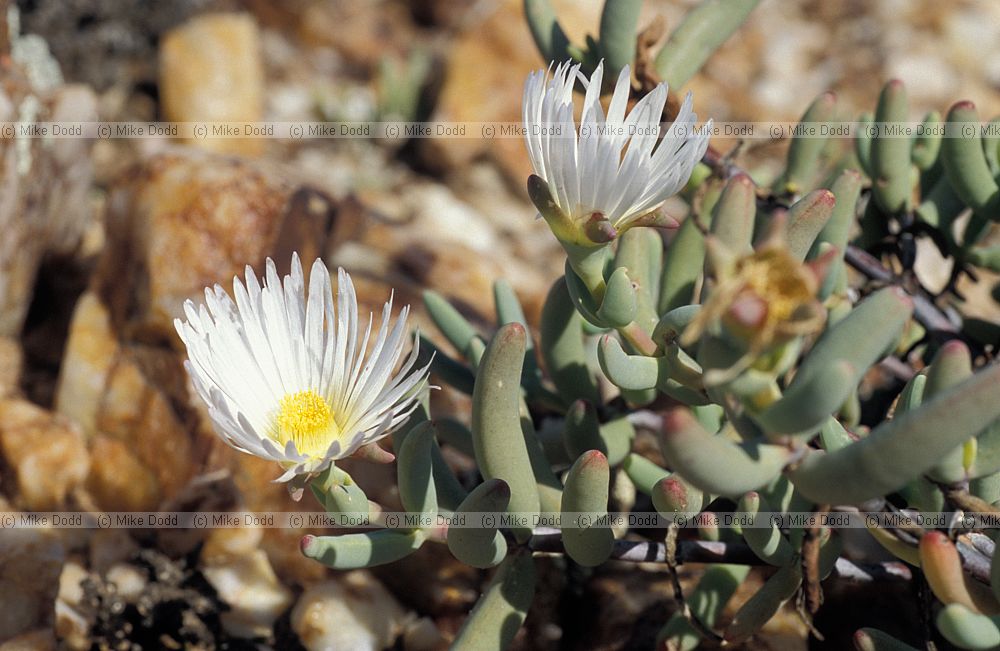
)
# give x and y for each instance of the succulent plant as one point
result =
(745, 337)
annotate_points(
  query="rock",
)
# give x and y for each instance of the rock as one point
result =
(72, 626)
(215, 214)
(109, 547)
(211, 71)
(102, 388)
(129, 580)
(484, 80)
(31, 561)
(48, 454)
(118, 481)
(248, 585)
(351, 613)
(44, 181)
(41, 640)
(11, 363)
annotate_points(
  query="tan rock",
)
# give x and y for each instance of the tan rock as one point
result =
(249, 586)
(102, 388)
(211, 71)
(484, 81)
(11, 363)
(48, 454)
(40, 640)
(31, 561)
(352, 612)
(118, 481)
(185, 220)
(109, 547)
(91, 351)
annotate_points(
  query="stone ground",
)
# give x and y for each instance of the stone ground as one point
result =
(104, 240)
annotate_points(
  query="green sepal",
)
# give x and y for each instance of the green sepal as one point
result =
(337, 492)
(618, 309)
(640, 251)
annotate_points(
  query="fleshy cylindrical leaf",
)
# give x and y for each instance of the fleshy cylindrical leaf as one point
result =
(481, 546)
(499, 443)
(588, 543)
(357, 550)
(501, 609)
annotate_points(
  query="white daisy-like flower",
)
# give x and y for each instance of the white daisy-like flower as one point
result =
(609, 171)
(287, 375)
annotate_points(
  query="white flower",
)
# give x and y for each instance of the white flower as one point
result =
(610, 165)
(286, 376)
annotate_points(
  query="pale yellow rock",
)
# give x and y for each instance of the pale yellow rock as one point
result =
(221, 545)
(91, 351)
(248, 585)
(102, 388)
(129, 580)
(71, 626)
(353, 612)
(211, 71)
(47, 452)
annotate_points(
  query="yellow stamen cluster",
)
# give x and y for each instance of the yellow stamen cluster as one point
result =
(306, 419)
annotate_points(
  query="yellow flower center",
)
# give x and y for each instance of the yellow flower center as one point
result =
(306, 419)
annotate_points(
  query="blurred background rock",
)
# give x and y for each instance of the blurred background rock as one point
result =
(103, 241)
